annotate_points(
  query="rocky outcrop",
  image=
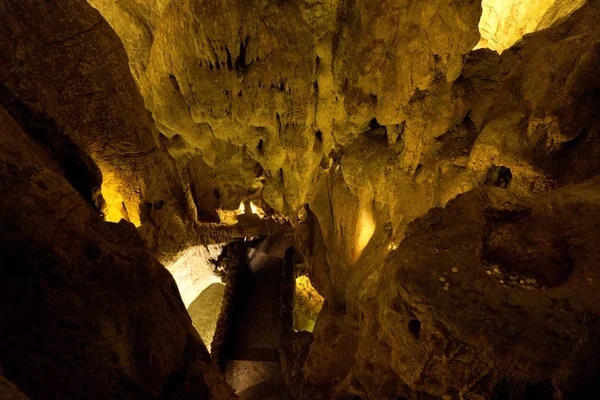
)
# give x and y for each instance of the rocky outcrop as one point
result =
(505, 22)
(494, 296)
(63, 60)
(9, 391)
(460, 314)
(86, 310)
(529, 125)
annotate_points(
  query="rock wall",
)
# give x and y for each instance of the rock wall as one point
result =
(64, 61)
(531, 111)
(453, 328)
(504, 22)
(86, 310)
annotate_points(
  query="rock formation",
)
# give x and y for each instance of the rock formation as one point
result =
(444, 199)
(504, 22)
(86, 310)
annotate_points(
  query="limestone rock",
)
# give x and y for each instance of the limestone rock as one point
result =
(205, 310)
(64, 61)
(504, 22)
(278, 83)
(95, 317)
(469, 334)
(479, 332)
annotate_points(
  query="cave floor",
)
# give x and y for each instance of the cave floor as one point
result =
(252, 364)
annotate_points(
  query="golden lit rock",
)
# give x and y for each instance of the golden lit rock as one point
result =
(204, 311)
(504, 22)
(194, 272)
(307, 304)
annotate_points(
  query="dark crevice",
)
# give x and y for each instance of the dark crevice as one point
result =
(78, 167)
(229, 62)
(205, 207)
(278, 117)
(174, 82)
(499, 176)
(539, 390)
(373, 124)
(240, 61)
(418, 169)
(414, 327)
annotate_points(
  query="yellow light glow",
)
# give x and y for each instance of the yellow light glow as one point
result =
(241, 210)
(229, 217)
(257, 210)
(115, 207)
(307, 304)
(193, 270)
(365, 228)
(392, 246)
(504, 22)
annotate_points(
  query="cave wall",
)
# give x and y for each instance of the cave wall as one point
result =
(87, 311)
(453, 312)
(280, 83)
(365, 115)
(64, 61)
(532, 110)
(504, 22)
(95, 317)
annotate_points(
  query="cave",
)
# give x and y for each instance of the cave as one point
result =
(300, 199)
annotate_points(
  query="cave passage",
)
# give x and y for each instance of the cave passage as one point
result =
(251, 349)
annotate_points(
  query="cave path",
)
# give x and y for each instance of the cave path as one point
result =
(251, 353)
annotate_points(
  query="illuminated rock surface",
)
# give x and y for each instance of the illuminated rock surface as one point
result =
(194, 271)
(204, 311)
(307, 305)
(370, 127)
(504, 22)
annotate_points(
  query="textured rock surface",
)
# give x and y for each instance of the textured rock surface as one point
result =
(532, 110)
(243, 87)
(504, 22)
(453, 328)
(96, 317)
(430, 321)
(64, 61)
(205, 310)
